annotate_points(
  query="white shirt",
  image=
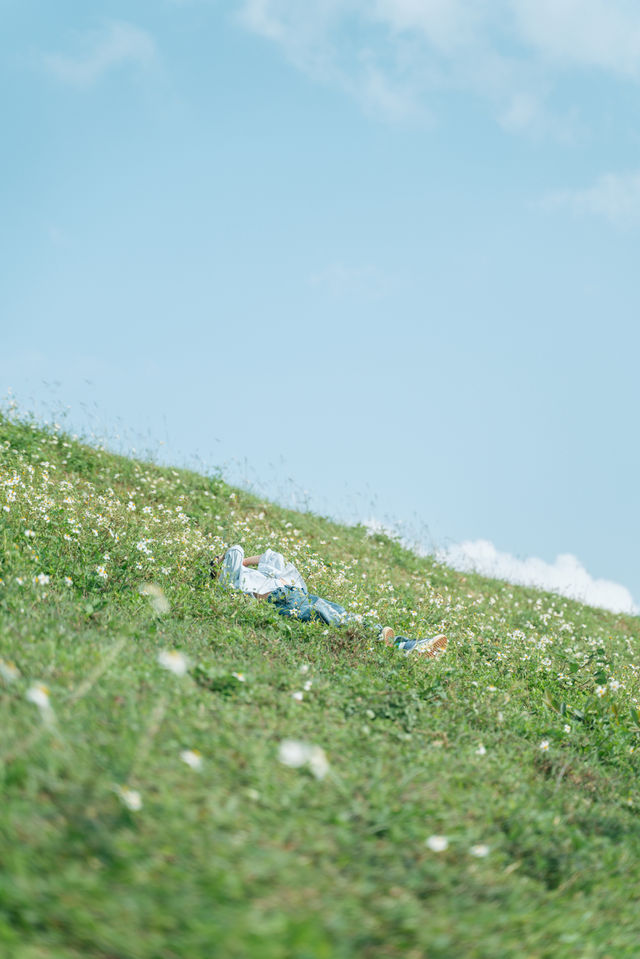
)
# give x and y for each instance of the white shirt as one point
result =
(272, 572)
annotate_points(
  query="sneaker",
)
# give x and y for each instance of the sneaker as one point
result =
(386, 634)
(429, 647)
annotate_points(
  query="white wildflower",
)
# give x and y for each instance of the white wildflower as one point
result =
(9, 671)
(480, 850)
(192, 758)
(38, 694)
(130, 798)
(614, 685)
(481, 750)
(318, 762)
(240, 677)
(158, 601)
(173, 660)
(544, 745)
(567, 728)
(102, 573)
(296, 754)
(298, 696)
(437, 843)
(41, 579)
(600, 691)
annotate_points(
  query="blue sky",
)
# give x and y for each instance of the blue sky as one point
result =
(382, 253)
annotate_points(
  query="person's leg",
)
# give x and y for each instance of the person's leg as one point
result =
(332, 613)
(432, 646)
(297, 603)
(292, 602)
(335, 615)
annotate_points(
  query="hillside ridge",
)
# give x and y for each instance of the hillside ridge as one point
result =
(186, 771)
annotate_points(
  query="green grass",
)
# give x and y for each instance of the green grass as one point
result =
(248, 856)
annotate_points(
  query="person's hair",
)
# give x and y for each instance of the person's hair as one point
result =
(215, 566)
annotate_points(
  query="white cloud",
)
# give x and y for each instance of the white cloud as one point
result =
(590, 33)
(309, 36)
(614, 196)
(566, 575)
(393, 56)
(116, 43)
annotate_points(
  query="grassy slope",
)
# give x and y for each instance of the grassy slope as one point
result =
(248, 857)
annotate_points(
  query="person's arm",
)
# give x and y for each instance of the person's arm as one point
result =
(271, 563)
(231, 567)
(251, 561)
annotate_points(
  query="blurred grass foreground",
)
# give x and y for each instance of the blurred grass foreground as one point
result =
(187, 775)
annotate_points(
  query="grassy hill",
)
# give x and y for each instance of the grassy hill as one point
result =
(484, 804)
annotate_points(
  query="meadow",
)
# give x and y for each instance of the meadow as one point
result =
(187, 775)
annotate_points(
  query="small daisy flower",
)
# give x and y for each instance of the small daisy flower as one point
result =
(38, 694)
(318, 762)
(130, 798)
(304, 668)
(296, 754)
(293, 753)
(544, 745)
(173, 660)
(437, 843)
(600, 691)
(307, 686)
(298, 696)
(614, 685)
(102, 573)
(567, 728)
(41, 579)
(192, 758)
(158, 601)
(480, 850)
(481, 750)
(8, 671)
(240, 677)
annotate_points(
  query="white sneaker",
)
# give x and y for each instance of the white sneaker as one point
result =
(430, 647)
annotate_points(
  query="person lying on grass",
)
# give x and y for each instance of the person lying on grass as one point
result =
(270, 577)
